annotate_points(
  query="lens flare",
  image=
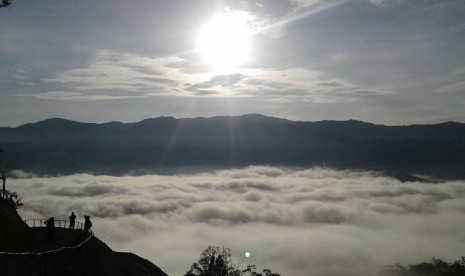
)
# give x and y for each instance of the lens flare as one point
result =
(225, 41)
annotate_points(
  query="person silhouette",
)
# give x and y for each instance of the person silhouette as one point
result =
(50, 223)
(72, 220)
(87, 223)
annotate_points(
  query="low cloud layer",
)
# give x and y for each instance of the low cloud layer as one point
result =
(296, 222)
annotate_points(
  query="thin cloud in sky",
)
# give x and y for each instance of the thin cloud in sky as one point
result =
(296, 222)
(388, 3)
(300, 4)
(77, 96)
(117, 76)
(118, 71)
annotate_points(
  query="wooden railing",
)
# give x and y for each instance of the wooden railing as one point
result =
(61, 223)
(5, 194)
(43, 263)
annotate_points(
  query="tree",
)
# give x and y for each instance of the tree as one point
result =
(5, 3)
(251, 271)
(13, 199)
(435, 267)
(268, 272)
(214, 261)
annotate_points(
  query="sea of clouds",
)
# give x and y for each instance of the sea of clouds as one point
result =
(304, 222)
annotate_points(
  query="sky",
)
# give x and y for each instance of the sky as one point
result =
(393, 62)
(303, 222)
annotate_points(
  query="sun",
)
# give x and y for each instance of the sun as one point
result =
(225, 41)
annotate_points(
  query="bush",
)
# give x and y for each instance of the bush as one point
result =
(13, 199)
(436, 267)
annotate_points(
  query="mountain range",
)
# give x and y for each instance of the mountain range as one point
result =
(170, 145)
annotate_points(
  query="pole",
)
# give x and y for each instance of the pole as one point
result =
(4, 181)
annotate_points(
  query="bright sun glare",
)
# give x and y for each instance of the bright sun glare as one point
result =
(225, 41)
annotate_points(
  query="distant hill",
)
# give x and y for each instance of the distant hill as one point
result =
(404, 176)
(84, 255)
(168, 145)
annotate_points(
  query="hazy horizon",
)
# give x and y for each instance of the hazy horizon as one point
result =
(219, 116)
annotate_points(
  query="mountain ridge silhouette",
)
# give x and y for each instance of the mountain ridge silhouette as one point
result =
(168, 145)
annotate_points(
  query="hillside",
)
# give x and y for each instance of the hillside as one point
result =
(166, 145)
(15, 235)
(72, 253)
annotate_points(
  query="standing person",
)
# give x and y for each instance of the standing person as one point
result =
(87, 223)
(72, 220)
(50, 223)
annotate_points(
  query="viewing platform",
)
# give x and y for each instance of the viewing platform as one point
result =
(61, 223)
(48, 254)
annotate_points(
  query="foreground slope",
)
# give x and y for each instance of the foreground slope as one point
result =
(71, 253)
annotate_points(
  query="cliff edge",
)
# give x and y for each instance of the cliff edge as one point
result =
(26, 250)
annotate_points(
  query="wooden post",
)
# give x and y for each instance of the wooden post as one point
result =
(4, 182)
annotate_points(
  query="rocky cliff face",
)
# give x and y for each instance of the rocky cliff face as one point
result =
(78, 254)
